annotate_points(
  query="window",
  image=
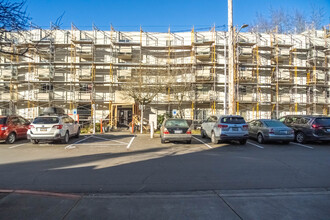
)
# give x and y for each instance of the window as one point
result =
(46, 87)
(176, 123)
(213, 118)
(23, 121)
(282, 119)
(273, 124)
(14, 121)
(323, 121)
(233, 120)
(46, 120)
(3, 120)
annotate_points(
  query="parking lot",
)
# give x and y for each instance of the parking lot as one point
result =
(225, 180)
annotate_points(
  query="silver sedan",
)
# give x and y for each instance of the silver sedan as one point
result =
(175, 130)
(270, 130)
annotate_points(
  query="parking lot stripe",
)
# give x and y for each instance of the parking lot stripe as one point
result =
(18, 145)
(71, 145)
(255, 145)
(203, 142)
(303, 145)
(129, 144)
(106, 139)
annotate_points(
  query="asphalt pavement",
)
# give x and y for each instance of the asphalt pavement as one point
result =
(125, 176)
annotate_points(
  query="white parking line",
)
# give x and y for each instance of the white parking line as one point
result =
(255, 145)
(302, 145)
(71, 145)
(129, 144)
(18, 145)
(106, 139)
(203, 142)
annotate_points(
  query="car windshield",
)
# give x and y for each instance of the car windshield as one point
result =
(274, 124)
(323, 121)
(3, 121)
(176, 123)
(46, 120)
(233, 120)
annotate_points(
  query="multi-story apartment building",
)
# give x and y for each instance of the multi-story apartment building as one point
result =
(91, 71)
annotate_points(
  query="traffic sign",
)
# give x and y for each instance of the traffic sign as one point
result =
(174, 112)
(74, 111)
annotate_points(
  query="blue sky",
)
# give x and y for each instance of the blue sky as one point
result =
(154, 15)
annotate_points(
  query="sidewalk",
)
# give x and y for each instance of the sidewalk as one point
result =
(242, 204)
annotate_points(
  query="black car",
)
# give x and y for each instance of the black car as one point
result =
(308, 127)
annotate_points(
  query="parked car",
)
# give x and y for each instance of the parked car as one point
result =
(53, 126)
(308, 127)
(175, 130)
(12, 128)
(225, 128)
(265, 130)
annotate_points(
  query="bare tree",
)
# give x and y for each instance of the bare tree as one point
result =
(317, 17)
(14, 23)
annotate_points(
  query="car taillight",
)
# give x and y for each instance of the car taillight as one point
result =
(245, 127)
(58, 126)
(271, 131)
(30, 127)
(222, 126)
(3, 128)
(166, 131)
(316, 126)
(188, 132)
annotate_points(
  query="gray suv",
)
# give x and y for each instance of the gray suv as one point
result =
(53, 127)
(225, 128)
(308, 127)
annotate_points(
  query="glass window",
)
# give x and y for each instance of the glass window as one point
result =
(14, 121)
(46, 120)
(233, 120)
(70, 120)
(323, 121)
(213, 119)
(3, 120)
(282, 119)
(176, 123)
(274, 124)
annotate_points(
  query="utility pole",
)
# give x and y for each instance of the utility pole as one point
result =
(231, 85)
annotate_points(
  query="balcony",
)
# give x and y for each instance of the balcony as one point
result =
(124, 75)
(125, 53)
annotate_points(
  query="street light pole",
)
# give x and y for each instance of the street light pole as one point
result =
(230, 58)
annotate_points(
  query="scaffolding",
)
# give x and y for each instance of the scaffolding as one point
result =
(275, 74)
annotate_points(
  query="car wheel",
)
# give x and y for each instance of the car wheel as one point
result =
(300, 137)
(65, 139)
(260, 139)
(188, 142)
(34, 141)
(213, 139)
(162, 141)
(11, 138)
(242, 142)
(203, 134)
(78, 133)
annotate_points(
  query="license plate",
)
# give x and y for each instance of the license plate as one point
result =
(178, 132)
(43, 129)
(235, 129)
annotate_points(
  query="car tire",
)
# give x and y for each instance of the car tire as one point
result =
(11, 138)
(203, 134)
(188, 142)
(300, 137)
(213, 139)
(242, 142)
(78, 133)
(34, 141)
(162, 141)
(65, 139)
(260, 139)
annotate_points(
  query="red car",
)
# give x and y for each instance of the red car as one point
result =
(12, 128)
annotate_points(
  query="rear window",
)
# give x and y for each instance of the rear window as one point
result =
(3, 121)
(233, 120)
(274, 124)
(176, 123)
(322, 121)
(46, 120)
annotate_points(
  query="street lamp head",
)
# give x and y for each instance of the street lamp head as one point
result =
(244, 25)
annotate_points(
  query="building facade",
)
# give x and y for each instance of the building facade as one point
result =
(91, 71)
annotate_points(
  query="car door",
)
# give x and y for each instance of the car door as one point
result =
(211, 124)
(24, 126)
(251, 128)
(65, 122)
(15, 125)
(205, 126)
